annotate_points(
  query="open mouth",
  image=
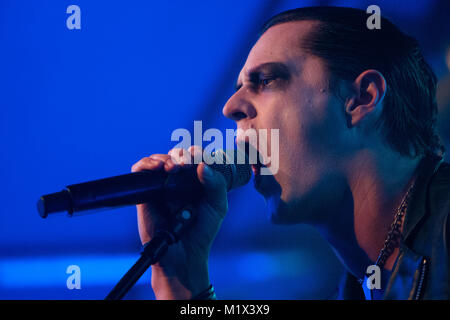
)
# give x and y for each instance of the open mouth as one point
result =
(257, 168)
(256, 163)
(263, 179)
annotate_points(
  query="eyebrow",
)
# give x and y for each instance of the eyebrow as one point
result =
(278, 68)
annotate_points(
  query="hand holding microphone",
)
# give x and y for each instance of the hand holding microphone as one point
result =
(162, 185)
(183, 271)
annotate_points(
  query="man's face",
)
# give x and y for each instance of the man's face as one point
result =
(283, 87)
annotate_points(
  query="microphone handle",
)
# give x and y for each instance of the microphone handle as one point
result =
(122, 190)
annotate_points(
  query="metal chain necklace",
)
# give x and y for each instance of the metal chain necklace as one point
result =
(394, 235)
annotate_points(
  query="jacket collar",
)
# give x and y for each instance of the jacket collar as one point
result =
(417, 206)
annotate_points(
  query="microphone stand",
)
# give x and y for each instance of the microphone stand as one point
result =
(152, 253)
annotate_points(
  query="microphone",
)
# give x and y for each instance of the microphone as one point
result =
(145, 186)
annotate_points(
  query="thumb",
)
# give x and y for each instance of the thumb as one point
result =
(215, 187)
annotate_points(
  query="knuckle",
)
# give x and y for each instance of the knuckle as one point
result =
(193, 148)
(156, 156)
(159, 157)
(196, 153)
(146, 163)
(179, 156)
(136, 167)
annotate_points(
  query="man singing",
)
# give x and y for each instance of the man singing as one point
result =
(359, 156)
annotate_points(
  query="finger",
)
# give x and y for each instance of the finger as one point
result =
(196, 154)
(146, 164)
(215, 187)
(180, 156)
(160, 157)
(151, 217)
(166, 160)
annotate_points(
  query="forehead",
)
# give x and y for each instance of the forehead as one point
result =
(280, 43)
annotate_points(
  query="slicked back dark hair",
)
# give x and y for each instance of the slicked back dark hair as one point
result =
(348, 47)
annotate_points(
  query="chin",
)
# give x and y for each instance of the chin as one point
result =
(288, 211)
(279, 212)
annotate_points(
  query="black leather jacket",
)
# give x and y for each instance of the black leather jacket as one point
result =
(422, 269)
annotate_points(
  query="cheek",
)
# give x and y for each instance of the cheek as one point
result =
(327, 131)
(306, 142)
(287, 151)
(296, 119)
(285, 118)
(315, 121)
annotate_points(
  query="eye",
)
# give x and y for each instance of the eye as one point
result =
(266, 81)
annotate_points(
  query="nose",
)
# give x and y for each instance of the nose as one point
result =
(238, 108)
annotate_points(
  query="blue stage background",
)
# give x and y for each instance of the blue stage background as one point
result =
(77, 105)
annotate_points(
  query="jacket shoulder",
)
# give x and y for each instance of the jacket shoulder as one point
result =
(443, 174)
(437, 232)
(439, 191)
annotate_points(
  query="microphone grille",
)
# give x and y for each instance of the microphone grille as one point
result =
(234, 166)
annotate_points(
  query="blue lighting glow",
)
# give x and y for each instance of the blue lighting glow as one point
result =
(79, 105)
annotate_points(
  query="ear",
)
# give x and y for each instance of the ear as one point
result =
(369, 90)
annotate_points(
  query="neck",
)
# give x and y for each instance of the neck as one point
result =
(375, 188)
